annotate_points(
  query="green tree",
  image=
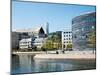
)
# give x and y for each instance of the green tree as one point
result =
(53, 41)
(48, 44)
(69, 46)
(92, 40)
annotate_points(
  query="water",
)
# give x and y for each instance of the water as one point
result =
(26, 64)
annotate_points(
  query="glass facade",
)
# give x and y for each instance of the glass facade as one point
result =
(84, 32)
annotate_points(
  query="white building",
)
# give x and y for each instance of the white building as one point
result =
(66, 39)
(30, 43)
(39, 42)
(26, 43)
(23, 35)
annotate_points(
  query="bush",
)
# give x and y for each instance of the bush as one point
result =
(34, 48)
(43, 49)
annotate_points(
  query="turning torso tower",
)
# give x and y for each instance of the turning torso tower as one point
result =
(47, 28)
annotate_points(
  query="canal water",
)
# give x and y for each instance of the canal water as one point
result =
(27, 64)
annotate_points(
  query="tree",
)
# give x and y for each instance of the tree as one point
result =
(69, 46)
(53, 41)
(92, 40)
(43, 49)
(35, 48)
(48, 45)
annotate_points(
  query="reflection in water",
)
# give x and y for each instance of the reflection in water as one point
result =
(26, 64)
(21, 64)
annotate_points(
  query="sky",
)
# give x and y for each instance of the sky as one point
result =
(59, 16)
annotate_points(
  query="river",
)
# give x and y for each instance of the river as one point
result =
(27, 64)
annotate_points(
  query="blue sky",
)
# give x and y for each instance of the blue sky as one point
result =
(59, 16)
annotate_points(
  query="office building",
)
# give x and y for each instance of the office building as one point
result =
(66, 39)
(84, 31)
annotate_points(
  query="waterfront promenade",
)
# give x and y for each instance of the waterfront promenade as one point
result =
(28, 53)
(65, 55)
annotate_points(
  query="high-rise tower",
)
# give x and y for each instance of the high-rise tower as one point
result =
(47, 28)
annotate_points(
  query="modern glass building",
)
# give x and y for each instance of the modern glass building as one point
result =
(84, 32)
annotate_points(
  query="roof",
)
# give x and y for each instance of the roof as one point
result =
(84, 15)
(26, 40)
(34, 30)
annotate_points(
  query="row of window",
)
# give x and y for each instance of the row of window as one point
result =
(79, 25)
(86, 28)
(25, 42)
(39, 42)
(67, 38)
(67, 35)
(68, 42)
(30, 42)
(85, 19)
(67, 32)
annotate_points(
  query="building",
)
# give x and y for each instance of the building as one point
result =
(15, 40)
(39, 42)
(24, 34)
(47, 28)
(26, 43)
(16, 37)
(36, 32)
(84, 31)
(66, 39)
(30, 43)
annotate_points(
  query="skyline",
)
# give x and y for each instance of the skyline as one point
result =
(59, 16)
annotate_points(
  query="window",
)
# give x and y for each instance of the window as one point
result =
(92, 27)
(64, 46)
(77, 30)
(75, 36)
(69, 41)
(66, 32)
(82, 29)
